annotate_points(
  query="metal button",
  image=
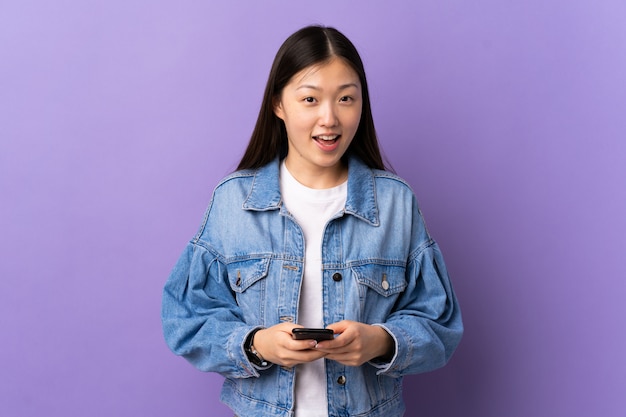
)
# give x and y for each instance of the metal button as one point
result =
(385, 283)
(341, 380)
(337, 277)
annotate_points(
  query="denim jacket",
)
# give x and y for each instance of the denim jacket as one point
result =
(243, 270)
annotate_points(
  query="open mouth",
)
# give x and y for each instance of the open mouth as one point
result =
(326, 139)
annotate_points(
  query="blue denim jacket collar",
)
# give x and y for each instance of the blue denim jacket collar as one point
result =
(361, 201)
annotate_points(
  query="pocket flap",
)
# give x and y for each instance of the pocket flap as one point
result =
(242, 274)
(384, 279)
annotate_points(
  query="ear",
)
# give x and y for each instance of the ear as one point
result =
(278, 108)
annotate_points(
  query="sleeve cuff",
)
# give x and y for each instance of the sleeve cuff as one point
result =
(384, 366)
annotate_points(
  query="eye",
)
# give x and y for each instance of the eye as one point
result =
(309, 100)
(346, 99)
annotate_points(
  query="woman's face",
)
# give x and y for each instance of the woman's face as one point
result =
(321, 107)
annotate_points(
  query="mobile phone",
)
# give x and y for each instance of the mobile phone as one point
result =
(301, 333)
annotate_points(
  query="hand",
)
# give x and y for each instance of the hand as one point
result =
(357, 343)
(276, 345)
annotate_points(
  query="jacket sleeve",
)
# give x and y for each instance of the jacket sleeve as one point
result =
(200, 317)
(426, 322)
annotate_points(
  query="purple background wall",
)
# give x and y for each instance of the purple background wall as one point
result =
(117, 118)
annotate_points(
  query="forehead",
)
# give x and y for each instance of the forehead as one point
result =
(335, 71)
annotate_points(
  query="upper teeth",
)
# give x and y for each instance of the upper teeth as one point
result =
(332, 137)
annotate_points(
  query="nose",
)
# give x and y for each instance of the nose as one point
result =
(328, 115)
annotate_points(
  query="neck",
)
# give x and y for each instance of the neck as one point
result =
(319, 177)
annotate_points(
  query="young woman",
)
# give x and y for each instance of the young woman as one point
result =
(312, 232)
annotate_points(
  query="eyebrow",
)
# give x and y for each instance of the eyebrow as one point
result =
(341, 87)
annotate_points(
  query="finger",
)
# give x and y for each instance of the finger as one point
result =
(340, 341)
(340, 326)
(301, 344)
(297, 357)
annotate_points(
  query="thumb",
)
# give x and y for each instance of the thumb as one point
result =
(339, 327)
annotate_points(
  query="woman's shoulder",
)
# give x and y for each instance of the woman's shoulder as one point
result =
(391, 179)
(240, 180)
(246, 176)
(237, 176)
(249, 186)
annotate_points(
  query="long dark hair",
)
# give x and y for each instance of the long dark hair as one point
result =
(309, 46)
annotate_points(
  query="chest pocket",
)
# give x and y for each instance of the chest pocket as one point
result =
(386, 280)
(244, 274)
(378, 288)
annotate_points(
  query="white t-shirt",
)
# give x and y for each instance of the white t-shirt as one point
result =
(312, 209)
